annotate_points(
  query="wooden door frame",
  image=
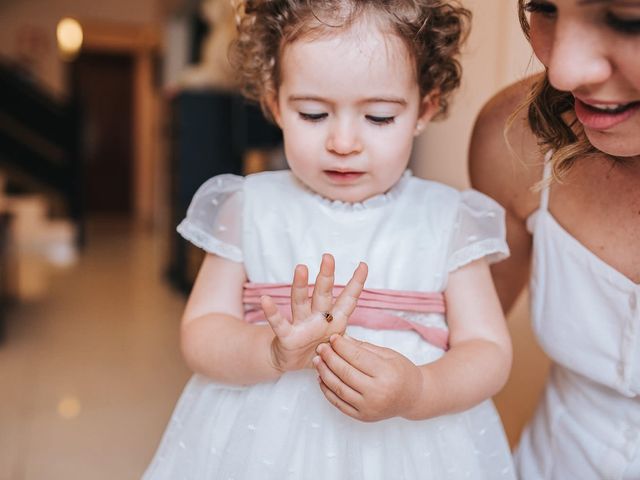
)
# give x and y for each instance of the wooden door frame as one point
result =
(142, 42)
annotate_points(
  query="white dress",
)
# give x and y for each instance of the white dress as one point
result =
(411, 238)
(586, 316)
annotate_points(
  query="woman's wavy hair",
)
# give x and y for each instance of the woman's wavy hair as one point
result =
(432, 30)
(552, 119)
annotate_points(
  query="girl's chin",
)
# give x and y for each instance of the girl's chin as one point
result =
(348, 199)
(349, 196)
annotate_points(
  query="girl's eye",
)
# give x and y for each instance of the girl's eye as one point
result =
(312, 117)
(627, 26)
(379, 120)
(543, 8)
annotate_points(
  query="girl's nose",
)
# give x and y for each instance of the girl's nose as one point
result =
(344, 138)
(578, 56)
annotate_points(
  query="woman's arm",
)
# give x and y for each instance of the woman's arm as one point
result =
(506, 170)
(371, 383)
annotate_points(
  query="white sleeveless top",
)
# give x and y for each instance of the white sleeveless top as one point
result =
(586, 317)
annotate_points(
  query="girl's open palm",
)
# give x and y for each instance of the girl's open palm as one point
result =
(295, 341)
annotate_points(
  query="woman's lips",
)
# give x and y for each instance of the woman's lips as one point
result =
(597, 116)
(343, 177)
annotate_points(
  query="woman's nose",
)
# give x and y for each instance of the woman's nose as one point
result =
(578, 56)
(344, 138)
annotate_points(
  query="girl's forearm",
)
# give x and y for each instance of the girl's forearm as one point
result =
(226, 349)
(466, 375)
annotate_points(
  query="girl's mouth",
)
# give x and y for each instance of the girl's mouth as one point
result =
(597, 116)
(338, 176)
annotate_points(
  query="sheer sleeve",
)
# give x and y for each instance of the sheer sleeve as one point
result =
(214, 217)
(479, 231)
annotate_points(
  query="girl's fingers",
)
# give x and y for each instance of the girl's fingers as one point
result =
(279, 324)
(322, 299)
(348, 299)
(337, 386)
(360, 356)
(346, 372)
(337, 402)
(300, 292)
(376, 349)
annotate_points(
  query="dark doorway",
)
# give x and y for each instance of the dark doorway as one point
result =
(103, 86)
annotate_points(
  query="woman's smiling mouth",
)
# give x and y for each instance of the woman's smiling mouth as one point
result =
(603, 116)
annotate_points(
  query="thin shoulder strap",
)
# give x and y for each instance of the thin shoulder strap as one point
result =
(546, 177)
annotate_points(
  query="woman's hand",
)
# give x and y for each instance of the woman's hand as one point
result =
(295, 342)
(368, 382)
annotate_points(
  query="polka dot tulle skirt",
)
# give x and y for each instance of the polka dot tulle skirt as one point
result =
(288, 430)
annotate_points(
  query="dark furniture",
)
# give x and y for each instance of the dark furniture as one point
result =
(210, 133)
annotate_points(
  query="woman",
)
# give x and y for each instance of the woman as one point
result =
(568, 174)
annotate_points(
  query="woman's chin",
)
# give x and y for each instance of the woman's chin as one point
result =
(615, 144)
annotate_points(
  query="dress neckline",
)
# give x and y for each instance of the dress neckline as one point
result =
(604, 266)
(373, 202)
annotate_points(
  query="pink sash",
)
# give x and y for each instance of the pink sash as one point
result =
(371, 311)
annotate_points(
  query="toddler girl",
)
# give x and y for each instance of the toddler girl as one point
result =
(279, 392)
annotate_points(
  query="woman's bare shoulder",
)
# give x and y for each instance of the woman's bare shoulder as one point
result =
(505, 160)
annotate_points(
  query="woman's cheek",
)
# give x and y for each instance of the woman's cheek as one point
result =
(541, 35)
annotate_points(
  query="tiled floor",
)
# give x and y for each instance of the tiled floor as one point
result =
(90, 374)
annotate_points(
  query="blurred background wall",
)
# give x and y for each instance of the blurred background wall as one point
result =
(495, 55)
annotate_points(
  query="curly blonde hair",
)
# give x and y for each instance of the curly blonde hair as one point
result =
(432, 30)
(551, 116)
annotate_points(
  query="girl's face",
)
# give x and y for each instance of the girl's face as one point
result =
(591, 48)
(349, 107)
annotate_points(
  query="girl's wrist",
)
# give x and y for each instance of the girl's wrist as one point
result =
(420, 403)
(279, 363)
(268, 365)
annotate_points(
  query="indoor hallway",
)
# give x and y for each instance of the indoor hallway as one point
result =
(90, 373)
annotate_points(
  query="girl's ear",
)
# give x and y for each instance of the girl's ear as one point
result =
(429, 108)
(272, 104)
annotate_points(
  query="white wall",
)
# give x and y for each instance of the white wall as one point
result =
(496, 54)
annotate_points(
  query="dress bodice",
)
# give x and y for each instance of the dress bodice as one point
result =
(405, 235)
(411, 237)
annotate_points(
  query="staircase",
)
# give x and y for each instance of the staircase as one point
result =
(41, 214)
(39, 138)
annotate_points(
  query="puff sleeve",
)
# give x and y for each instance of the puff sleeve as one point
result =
(214, 217)
(479, 231)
